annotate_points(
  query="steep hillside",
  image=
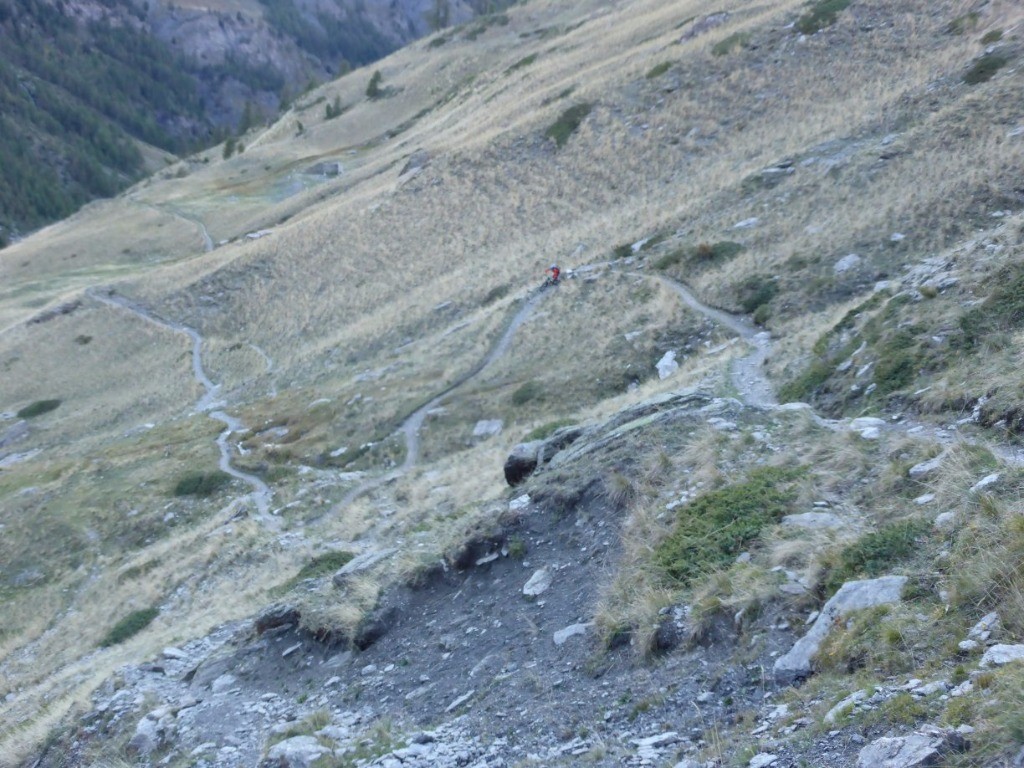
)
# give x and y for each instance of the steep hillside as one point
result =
(764, 438)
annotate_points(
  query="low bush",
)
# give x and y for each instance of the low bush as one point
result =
(497, 292)
(568, 123)
(1002, 311)
(658, 70)
(992, 37)
(755, 291)
(523, 62)
(201, 483)
(821, 14)
(985, 68)
(38, 408)
(531, 390)
(962, 24)
(874, 553)
(129, 626)
(373, 89)
(546, 430)
(715, 527)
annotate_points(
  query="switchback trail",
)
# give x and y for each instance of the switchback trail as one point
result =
(261, 492)
(747, 372)
(411, 425)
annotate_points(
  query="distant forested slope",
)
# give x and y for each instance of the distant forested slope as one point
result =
(83, 81)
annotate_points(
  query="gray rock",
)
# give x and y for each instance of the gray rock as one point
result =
(460, 701)
(522, 461)
(763, 760)
(571, 631)
(945, 521)
(852, 596)
(914, 751)
(848, 702)
(538, 583)
(845, 264)
(146, 739)
(966, 646)
(985, 627)
(985, 482)
(925, 468)
(296, 752)
(486, 428)
(998, 655)
(667, 365)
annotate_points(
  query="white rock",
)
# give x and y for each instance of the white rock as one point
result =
(984, 628)
(747, 223)
(174, 653)
(659, 740)
(865, 422)
(487, 428)
(519, 503)
(667, 365)
(813, 521)
(849, 701)
(871, 433)
(459, 701)
(297, 752)
(945, 521)
(985, 482)
(538, 583)
(852, 596)
(925, 498)
(925, 468)
(999, 655)
(846, 263)
(571, 631)
(223, 683)
(966, 646)
(762, 760)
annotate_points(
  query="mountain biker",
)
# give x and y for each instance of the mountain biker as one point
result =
(553, 273)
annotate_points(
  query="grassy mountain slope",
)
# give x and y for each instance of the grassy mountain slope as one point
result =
(849, 180)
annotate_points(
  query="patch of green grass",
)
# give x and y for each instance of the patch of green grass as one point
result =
(715, 527)
(962, 24)
(497, 292)
(531, 390)
(730, 44)
(546, 430)
(700, 255)
(658, 70)
(821, 14)
(523, 62)
(568, 123)
(755, 291)
(993, 36)
(201, 483)
(129, 626)
(898, 362)
(38, 408)
(875, 553)
(985, 68)
(324, 564)
(1001, 312)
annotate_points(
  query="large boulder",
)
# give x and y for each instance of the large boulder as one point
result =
(296, 752)
(852, 596)
(522, 461)
(924, 748)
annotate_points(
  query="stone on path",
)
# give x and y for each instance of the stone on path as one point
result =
(852, 596)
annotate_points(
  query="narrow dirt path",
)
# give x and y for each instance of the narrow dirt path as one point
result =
(411, 425)
(261, 492)
(748, 375)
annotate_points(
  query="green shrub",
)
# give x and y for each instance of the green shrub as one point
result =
(875, 553)
(962, 24)
(731, 43)
(497, 292)
(659, 69)
(756, 290)
(806, 385)
(523, 62)
(201, 483)
(992, 37)
(1002, 311)
(715, 527)
(531, 390)
(438, 41)
(821, 14)
(373, 89)
(723, 250)
(324, 564)
(985, 68)
(334, 109)
(129, 626)
(622, 251)
(762, 313)
(38, 408)
(567, 123)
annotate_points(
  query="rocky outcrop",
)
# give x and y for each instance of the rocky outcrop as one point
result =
(852, 596)
(920, 749)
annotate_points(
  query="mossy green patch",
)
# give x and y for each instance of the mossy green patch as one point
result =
(568, 123)
(129, 626)
(715, 527)
(38, 408)
(821, 14)
(875, 553)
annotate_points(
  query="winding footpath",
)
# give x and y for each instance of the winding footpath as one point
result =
(261, 493)
(413, 423)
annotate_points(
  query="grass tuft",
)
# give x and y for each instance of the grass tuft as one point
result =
(714, 528)
(820, 15)
(129, 626)
(730, 44)
(875, 553)
(38, 408)
(568, 123)
(658, 70)
(985, 68)
(201, 483)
